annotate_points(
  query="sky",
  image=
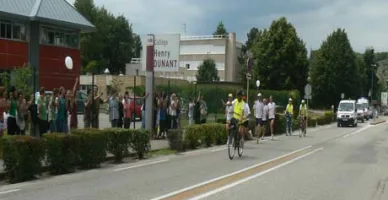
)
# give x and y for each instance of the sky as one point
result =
(314, 20)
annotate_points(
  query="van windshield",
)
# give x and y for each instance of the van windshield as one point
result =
(359, 106)
(346, 107)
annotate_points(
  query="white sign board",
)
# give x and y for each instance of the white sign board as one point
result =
(166, 52)
(384, 98)
(307, 89)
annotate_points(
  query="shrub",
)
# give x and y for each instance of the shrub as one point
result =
(23, 157)
(62, 152)
(193, 136)
(311, 122)
(175, 139)
(140, 141)
(118, 142)
(93, 143)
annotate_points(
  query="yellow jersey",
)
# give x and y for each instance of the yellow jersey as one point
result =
(290, 109)
(238, 109)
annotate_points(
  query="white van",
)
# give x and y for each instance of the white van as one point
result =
(360, 112)
(347, 113)
(365, 105)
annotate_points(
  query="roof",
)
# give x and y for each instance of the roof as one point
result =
(59, 12)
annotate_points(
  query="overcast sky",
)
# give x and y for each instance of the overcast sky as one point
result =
(364, 20)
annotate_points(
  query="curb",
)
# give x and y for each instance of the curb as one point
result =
(378, 122)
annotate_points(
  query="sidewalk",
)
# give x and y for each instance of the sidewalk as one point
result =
(155, 145)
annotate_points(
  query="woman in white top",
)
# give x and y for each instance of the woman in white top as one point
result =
(228, 112)
(271, 115)
(265, 117)
(172, 111)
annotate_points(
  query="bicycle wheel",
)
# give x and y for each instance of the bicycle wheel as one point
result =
(231, 144)
(240, 148)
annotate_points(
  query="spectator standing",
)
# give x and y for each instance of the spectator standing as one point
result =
(3, 109)
(162, 116)
(22, 112)
(73, 106)
(271, 115)
(42, 109)
(173, 112)
(88, 110)
(143, 108)
(52, 118)
(113, 109)
(127, 111)
(258, 108)
(61, 114)
(191, 112)
(33, 116)
(12, 126)
(265, 118)
(203, 109)
(97, 101)
(120, 122)
(197, 110)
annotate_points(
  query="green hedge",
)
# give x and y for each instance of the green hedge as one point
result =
(62, 152)
(23, 157)
(205, 135)
(140, 142)
(119, 140)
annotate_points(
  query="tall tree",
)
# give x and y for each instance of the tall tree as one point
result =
(371, 68)
(221, 30)
(207, 71)
(280, 57)
(137, 46)
(335, 70)
(113, 43)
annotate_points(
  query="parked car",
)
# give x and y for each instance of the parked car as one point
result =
(138, 105)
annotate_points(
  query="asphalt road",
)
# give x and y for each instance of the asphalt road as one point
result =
(330, 163)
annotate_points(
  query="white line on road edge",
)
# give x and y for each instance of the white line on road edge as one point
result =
(359, 130)
(9, 191)
(227, 175)
(253, 176)
(141, 165)
(220, 149)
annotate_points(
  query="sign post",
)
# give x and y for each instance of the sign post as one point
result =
(249, 75)
(149, 82)
(307, 92)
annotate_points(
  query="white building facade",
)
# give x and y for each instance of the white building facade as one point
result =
(224, 50)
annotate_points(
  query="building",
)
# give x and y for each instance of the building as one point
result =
(224, 50)
(42, 33)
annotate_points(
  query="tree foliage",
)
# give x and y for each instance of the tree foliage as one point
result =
(221, 30)
(280, 57)
(207, 71)
(371, 69)
(335, 70)
(20, 77)
(112, 45)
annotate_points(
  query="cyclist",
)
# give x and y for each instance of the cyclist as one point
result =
(303, 113)
(238, 112)
(228, 112)
(289, 112)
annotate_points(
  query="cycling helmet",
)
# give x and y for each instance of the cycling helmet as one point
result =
(302, 100)
(289, 99)
(240, 93)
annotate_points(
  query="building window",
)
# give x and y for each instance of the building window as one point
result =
(60, 38)
(12, 30)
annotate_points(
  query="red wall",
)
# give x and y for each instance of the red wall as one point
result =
(13, 54)
(52, 70)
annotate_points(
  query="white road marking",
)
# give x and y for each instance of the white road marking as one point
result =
(355, 132)
(220, 149)
(9, 191)
(227, 175)
(141, 165)
(252, 177)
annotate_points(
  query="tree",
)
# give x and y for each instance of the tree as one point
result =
(137, 47)
(371, 68)
(20, 77)
(207, 71)
(221, 30)
(280, 57)
(335, 70)
(113, 43)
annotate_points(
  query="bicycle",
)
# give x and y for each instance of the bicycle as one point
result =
(302, 125)
(288, 124)
(233, 137)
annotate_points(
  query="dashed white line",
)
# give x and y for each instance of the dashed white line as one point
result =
(9, 191)
(252, 177)
(141, 165)
(227, 175)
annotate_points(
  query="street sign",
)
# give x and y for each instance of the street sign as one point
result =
(249, 76)
(384, 98)
(307, 97)
(249, 65)
(307, 89)
(342, 95)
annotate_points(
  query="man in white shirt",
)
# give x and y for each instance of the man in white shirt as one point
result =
(271, 115)
(228, 112)
(265, 118)
(258, 108)
(247, 113)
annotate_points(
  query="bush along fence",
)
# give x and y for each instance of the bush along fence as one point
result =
(25, 156)
(207, 135)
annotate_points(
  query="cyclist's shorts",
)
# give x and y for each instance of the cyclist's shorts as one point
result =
(259, 122)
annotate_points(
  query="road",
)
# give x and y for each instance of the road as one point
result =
(330, 163)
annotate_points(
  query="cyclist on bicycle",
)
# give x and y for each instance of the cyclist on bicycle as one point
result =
(303, 112)
(289, 112)
(238, 112)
